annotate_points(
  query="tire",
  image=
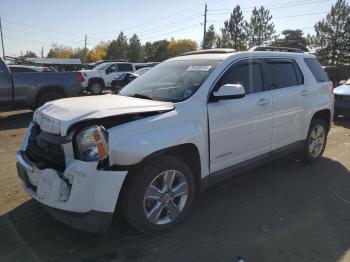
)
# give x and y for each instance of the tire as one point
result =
(160, 210)
(48, 96)
(315, 145)
(95, 87)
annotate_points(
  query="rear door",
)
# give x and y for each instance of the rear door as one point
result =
(5, 85)
(288, 97)
(240, 129)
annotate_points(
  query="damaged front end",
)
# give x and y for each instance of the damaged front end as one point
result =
(79, 192)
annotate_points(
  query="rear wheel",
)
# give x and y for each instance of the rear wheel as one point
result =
(160, 195)
(316, 141)
(48, 96)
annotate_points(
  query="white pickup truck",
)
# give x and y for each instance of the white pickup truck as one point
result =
(189, 122)
(102, 75)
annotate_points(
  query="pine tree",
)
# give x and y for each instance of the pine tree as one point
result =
(233, 35)
(260, 29)
(135, 49)
(210, 38)
(331, 41)
(118, 48)
(293, 38)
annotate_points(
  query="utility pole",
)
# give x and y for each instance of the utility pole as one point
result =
(85, 50)
(42, 52)
(2, 41)
(205, 23)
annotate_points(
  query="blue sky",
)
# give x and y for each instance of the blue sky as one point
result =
(31, 24)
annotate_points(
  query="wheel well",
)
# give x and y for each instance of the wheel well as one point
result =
(186, 152)
(91, 80)
(49, 89)
(325, 115)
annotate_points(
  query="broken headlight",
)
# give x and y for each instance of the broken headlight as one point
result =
(92, 144)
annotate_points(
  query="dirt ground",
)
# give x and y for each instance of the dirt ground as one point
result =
(283, 211)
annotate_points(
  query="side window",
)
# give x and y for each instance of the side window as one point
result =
(316, 69)
(249, 75)
(113, 68)
(125, 68)
(282, 73)
(3, 68)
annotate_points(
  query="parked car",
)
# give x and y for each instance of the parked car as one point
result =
(342, 99)
(126, 78)
(188, 123)
(101, 76)
(29, 69)
(32, 90)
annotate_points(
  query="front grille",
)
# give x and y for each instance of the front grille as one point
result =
(45, 149)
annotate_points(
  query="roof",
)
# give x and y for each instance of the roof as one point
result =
(210, 51)
(55, 61)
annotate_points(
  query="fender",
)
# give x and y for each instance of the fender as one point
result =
(131, 143)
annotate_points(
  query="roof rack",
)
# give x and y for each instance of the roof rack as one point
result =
(211, 51)
(276, 49)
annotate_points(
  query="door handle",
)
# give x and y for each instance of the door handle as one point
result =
(304, 93)
(262, 102)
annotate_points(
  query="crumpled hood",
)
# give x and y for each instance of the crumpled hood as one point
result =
(57, 116)
(342, 90)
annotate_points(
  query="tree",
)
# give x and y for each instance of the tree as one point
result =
(135, 49)
(233, 35)
(118, 48)
(98, 52)
(178, 47)
(60, 51)
(30, 54)
(332, 35)
(293, 38)
(210, 38)
(158, 51)
(78, 53)
(260, 29)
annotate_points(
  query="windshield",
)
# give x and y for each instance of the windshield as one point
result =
(172, 81)
(102, 66)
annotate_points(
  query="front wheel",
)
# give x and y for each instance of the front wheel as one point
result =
(316, 141)
(160, 195)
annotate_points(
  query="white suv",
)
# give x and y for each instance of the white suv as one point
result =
(103, 74)
(189, 122)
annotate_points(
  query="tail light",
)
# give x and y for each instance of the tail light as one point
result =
(331, 86)
(79, 76)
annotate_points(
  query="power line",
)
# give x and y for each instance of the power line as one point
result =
(151, 22)
(159, 29)
(280, 17)
(276, 6)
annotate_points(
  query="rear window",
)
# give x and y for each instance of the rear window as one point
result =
(125, 68)
(316, 69)
(282, 74)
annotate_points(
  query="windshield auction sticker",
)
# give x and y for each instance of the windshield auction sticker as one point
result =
(198, 68)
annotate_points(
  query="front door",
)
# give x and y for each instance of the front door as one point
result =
(240, 129)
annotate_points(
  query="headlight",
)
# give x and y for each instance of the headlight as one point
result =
(92, 144)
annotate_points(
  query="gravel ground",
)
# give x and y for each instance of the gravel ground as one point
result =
(283, 211)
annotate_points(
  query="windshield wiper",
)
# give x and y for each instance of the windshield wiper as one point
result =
(137, 95)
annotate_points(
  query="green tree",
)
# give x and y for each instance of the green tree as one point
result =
(233, 35)
(293, 38)
(135, 49)
(29, 54)
(118, 48)
(260, 29)
(60, 51)
(79, 53)
(332, 35)
(209, 40)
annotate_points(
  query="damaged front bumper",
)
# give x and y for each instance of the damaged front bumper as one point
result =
(82, 196)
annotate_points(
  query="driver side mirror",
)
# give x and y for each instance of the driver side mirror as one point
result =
(228, 91)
